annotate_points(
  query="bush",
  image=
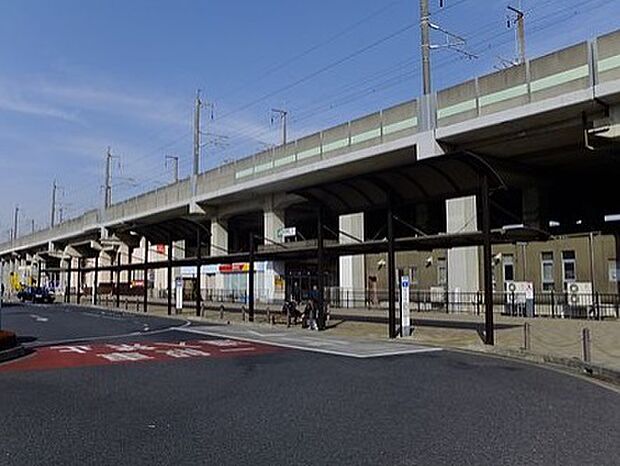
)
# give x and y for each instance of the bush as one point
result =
(7, 340)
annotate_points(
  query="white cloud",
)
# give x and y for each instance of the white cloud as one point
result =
(78, 102)
(14, 100)
(125, 104)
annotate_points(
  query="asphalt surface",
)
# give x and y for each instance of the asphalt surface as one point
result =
(298, 407)
(41, 324)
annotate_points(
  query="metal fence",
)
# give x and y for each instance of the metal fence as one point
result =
(540, 304)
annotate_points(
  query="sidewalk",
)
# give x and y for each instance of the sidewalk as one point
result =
(549, 338)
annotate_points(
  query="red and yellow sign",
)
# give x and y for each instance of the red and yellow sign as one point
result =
(237, 267)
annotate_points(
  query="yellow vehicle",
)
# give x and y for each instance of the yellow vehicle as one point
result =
(15, 283)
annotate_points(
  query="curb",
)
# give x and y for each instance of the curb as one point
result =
(12, 353)
(570, 365)
(596, 371)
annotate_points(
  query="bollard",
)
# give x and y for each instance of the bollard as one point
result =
(126, 303)
(526, 337)
(268, 315)
(222, 311)
(243, 313)
(586, 343)
(203, 310)
(137, 305)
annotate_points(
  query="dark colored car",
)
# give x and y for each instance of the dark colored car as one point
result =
(36, 295)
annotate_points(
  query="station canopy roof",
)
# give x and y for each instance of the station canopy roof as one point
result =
(448, 176)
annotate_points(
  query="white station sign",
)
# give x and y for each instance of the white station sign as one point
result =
(287, 232)
(179, 293)
(405, 313)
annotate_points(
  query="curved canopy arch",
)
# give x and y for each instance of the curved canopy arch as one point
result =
(442, 177)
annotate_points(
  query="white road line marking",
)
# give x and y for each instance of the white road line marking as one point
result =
(107, 337)
(39, 318)
(234, 350)
(314, 349)
(264, 334)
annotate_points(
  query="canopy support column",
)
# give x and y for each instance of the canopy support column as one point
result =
(489, 338)
(198, 274)
(145, 281)
(96, 281)
(119, 260)
(79, 283)
(320, 271)
(68, 283)
(169, 274)
(391, 264)
(251, 280)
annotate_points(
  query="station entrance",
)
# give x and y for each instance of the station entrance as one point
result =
(302, 277)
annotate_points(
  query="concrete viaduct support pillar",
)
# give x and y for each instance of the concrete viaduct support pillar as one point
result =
(463, 263)
(535, 211)
(352, 270)
(273, 276)
(219, 246)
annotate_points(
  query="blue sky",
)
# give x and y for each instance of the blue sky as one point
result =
(77, 76)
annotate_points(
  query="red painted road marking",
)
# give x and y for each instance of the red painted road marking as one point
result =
(63, 356)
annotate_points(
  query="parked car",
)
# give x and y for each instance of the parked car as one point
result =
(36, 295)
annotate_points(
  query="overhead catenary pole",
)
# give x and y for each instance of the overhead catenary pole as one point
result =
(520, 31)
(53, 212)
(426, 117)
(15, 222)
(425, 33)
(283, 116)
(197, 105)
(107, 196)
(175, 166)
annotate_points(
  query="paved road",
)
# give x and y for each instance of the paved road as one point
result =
(42, 324)
(271, 405)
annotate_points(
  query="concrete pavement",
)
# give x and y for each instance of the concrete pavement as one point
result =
(557, 338)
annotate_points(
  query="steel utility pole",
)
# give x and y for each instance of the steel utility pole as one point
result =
(15, 221)
(175, 164)
(520, 31)
(107, 198)
(425, 32)
(53, 213)
(282, 115)
(198, 104)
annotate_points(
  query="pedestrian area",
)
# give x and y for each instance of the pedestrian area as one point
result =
(306, 340)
